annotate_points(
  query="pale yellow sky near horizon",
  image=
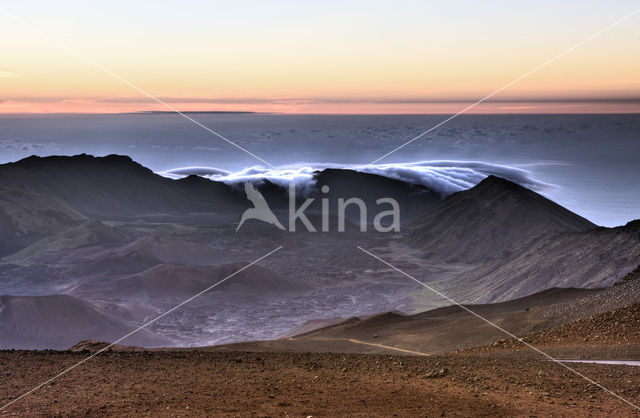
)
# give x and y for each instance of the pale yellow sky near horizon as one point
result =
(334, 57)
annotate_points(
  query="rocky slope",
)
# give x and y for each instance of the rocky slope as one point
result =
(59, 321)
(596, 258)
(482, 222)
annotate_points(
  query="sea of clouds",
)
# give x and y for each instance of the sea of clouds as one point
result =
(443, 177)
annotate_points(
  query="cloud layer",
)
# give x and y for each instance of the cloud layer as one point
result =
(444, 177)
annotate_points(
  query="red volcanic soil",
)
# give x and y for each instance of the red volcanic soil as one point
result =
(198, 383)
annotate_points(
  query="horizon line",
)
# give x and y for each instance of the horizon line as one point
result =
(349, 113)
(321, 106)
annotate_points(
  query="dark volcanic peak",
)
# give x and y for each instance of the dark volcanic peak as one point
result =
(481, 222)
(113, 186)
(111, 158)
(413, 199)
(632, 226)
(80, 161)
(346, 178)
(492, 180)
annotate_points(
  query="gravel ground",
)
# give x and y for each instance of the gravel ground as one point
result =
(196, 383)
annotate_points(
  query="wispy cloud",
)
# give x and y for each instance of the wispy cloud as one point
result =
(443, 177)
(207, 148)
(9, 74)
(19, 144)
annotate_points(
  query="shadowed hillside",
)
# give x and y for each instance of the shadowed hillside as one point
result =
(481, 222)
(595, 258)
(115, 186)
(59, 321)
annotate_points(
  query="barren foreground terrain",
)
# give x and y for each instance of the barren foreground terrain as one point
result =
(190, 383)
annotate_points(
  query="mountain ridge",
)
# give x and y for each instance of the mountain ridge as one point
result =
(472, 225)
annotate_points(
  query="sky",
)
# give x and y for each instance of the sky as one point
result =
(318, 57)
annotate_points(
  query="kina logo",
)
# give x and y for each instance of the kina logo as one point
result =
(260, 210)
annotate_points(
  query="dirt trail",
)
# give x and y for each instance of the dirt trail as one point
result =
(388, 347)
(360, 342)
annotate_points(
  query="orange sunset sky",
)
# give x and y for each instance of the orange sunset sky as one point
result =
(318, 57)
